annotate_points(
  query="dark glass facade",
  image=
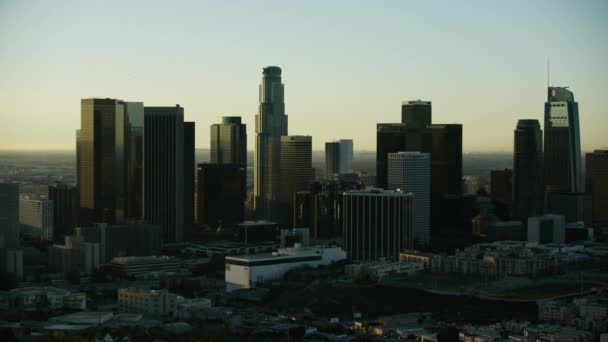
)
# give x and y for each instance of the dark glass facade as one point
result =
(416, 113)
(597, 184)
(229, 141)
(527, 169)
(221, 194)
(296, 173)
(66, 205)
(189, 174)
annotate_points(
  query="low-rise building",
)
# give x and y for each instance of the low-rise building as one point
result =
(245, 271)
(148, 302)
(142, 266)
(381, 269)
(74, 255)
(41, 299)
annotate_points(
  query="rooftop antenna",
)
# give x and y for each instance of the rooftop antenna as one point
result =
(548, 74)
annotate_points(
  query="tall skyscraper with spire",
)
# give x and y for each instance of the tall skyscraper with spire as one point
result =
(562, 161)
(270, 125)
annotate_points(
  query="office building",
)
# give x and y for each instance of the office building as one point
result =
(11, 260)
(562, 162)
(66, 204)
(506, 231)
(229, 141)
(417, 114)
(597, 184)
(117, 240)
(33, 299)
(296, 173)
(136, 266)
(377, 224)
(338, 158)
(148, 302)
(75, 255)
(547, 228)
(109, 160)
(36, 217)
(270, 125)
(9, 215)
(410, 172)
(528, 169)
(221, 194)
(247, 271)
(164, 170)
(480, 223)
(501, 190)
(189, 175)
(575, 206)
(457, 213)
(257, 231)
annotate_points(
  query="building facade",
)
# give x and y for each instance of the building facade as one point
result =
(221, 194)
(296, 173)
(66, 204)
(189, 175)
(9, 215)
(36, 217)
(229, 141)
(377, 224)
(547, 228)
(164, 170)
(597, 184)
(338, 158)
(270, 125)
(410, 172)
(416, 113)
(117, 240)
(147, 302)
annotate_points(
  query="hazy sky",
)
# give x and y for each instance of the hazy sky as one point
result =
(346, 64)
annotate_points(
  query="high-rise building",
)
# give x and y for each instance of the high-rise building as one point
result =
(164, 170)
(36, 217)
(296, 173)
(410, 172)
(416, 113)
(377, 224)
(75, 255)
(9, 215)
(527, 169)
(221, 194)
(562, 162)
(574, 206)
(189, 175)
(338, 157)
(229, 141)
(270, 125)
(109, 161)
(118, 240)
(597, 184)
(547, 228)
(66, 206)
(501, 190)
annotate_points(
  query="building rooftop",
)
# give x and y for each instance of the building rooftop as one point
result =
(141, 259)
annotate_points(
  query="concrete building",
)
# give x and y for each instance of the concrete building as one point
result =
(562, 155)
(377, 224)
(547, 229)
(410, 172)
(9, 215)
(74, 256)
(66, 206)
(36, 217)
(229, 142)
(117, 240)
(597, 184)
(164, 170)
(246, 271)
(270, 125)
(142, 266)
(147, 302)
(296, 173)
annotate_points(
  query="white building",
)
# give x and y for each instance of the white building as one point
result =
(548, 228)
(245, 271)
(36, 217)
(377, 224)
(411, 172)
(148, 302)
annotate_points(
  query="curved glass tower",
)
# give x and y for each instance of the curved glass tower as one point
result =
(270, 125)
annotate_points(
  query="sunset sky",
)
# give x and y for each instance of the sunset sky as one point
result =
(347, 65)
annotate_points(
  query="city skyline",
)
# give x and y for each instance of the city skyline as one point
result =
(401, 62)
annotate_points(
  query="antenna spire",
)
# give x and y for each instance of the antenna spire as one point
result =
(548, 73)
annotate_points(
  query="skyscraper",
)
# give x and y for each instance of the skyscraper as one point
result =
(36, 217)
(562, 159)
(270, 125)
(9, 215)
(229, 141)
(296, 173)
(164, 170)
(597, 184)
(528, 169)
(416, 113)
(338, 157)
(221, 193)
(65, 209)
(189, 174)
(410, 172)
(501, 189)
(377, 224)
(109, 161)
